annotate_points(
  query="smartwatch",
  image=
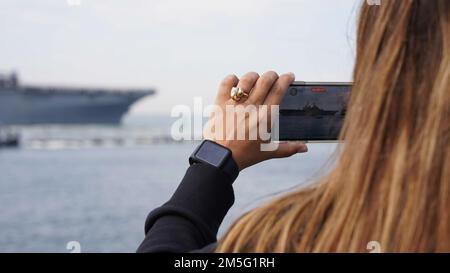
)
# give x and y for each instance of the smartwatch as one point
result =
(216, 155)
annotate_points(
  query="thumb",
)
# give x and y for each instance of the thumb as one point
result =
(287, 149)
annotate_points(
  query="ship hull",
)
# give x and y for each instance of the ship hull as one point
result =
(19, 107)
(301, 113)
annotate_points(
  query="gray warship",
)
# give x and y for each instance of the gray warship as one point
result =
(29, 104)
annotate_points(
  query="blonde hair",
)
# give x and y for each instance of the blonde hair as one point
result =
(391, 183)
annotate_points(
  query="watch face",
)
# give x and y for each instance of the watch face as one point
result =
(212, 153)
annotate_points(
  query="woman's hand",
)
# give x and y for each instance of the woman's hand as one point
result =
(266, 90)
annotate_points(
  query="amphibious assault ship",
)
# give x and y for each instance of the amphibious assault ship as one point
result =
(311, 110)
(29, 104)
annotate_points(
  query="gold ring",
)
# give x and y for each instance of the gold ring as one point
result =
(237, 94)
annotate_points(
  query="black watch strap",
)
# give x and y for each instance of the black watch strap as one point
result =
(231, 168)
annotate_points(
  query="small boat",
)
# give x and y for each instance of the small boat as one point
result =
(9, 140)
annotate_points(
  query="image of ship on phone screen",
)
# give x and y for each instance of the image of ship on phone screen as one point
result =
(313, 112)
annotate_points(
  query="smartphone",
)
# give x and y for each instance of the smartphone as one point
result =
(313, 112)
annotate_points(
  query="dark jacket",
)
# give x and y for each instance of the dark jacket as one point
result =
(189, 221)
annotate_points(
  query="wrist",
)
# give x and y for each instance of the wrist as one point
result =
(235, 152)
(218, 156)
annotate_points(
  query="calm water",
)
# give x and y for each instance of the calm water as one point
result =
(101, 196)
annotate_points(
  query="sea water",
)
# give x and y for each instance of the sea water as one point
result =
(99, 195)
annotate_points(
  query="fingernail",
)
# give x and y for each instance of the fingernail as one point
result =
(303, 149)
(291, 74)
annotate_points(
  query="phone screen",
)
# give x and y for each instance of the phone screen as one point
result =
(313, 112)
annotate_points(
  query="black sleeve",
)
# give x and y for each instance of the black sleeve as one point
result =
(191, 218)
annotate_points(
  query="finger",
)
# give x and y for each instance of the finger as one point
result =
(225, 88)
(278, 91)
(287, 149)
(262, 87)
(248, 81)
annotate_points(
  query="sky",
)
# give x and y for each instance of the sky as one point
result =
(181, 48)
